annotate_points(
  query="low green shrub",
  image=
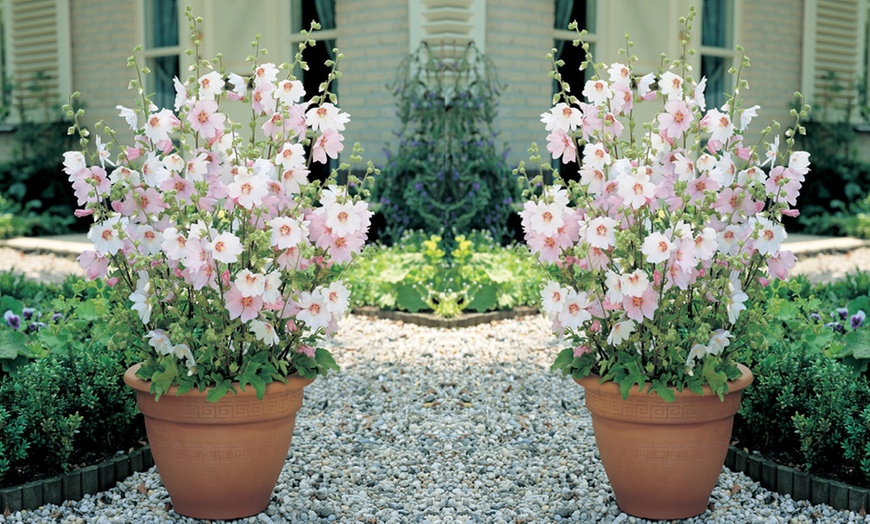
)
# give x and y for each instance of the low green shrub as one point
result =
(425, 273)
(67, 402)
(807, 404)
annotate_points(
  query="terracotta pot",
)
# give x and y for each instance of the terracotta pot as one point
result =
(663, 459)
(219, 460)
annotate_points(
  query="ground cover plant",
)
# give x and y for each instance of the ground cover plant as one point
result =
(426, 272)
(62, 401)
(808, 405)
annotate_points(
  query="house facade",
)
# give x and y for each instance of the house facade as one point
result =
(815, 46)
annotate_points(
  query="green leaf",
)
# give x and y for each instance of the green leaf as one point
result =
(484, 299)
(662, 390)
(8, 303)
(634, 376)
(859, 304)
(219, 390)
(787, 311)
(563, 360)
(325, 361)
(12, 344)
(409, 299)
(857, 343)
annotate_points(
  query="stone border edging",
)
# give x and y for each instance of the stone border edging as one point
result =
(798, 484)
(74, 485)
(432, 320)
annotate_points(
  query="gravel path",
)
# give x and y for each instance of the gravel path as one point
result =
(434, 425)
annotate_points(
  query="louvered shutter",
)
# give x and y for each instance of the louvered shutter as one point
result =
(37, 55)
(447, 25)
(834, 55)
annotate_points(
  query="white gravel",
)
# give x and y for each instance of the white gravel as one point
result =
(432, 425)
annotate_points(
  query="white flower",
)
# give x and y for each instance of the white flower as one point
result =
(182, 351)
(718, 125)
(613, 283)
(770, 235)
(226, 248)
(719, 340)
(106, 236)
(597, 92)
(286, 232)
(620, 332)
(573, 313)
(149, 240)
(545, 219)
(656, 247)
(158, 340)
(210, 85)
(644, 84)
(140, 297)
(265, 74)
(747, 115)
(735, 300)
(289, 92)
(337, 298)
(313, 310)
(706, 244)
(291, 156)
(326, 117)
(635, 189)
(240, 84)
(159, 125)
(173, 243)
(697, 352)
(562, 117)
(634, 284)
(249, 190)
(130, 116)
(698, 94)
(272, 287)
(552, 298)
(600, 232)
(596, 155)
(671, 85)
(264, 331)
(619, 74)
(250, 284)
(343, 219)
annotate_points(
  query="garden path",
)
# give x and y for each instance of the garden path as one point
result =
(434, 425)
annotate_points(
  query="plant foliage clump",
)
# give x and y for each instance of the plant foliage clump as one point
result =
(447, 174)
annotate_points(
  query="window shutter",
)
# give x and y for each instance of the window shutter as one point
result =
(447, 25)
(38, 56)
(834, 32)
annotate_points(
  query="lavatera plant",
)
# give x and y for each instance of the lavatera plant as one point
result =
(211, 232)
(669, 232)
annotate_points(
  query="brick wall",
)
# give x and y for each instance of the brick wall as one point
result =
(373, 36)
(518, 38)
(103, 34)
(771, 32)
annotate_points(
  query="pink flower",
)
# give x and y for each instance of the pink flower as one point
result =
(248, 190)
(95, 265)
(581, 350)
(328, 144)
(780, 263)
(574, 313)
(676, 119)
(638, 307)
(718, 125)
(239, 306)
(262, 100)
(205, 120)
(306, 350)
(559, 144)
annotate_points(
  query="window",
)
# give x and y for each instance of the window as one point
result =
(717, 49)
(567, 11)
(162, 50)
(583, 12)
(303, 12)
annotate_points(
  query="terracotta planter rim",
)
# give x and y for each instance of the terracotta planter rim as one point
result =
(144, 386)
(611, 387)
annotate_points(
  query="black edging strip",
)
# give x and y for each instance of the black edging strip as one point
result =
(75, 484)
(798, 484)
(432, 320)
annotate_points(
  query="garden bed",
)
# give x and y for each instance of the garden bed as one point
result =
(433, 320)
